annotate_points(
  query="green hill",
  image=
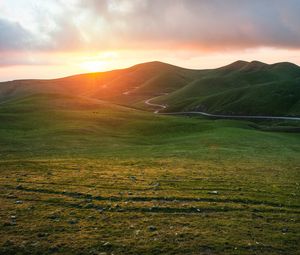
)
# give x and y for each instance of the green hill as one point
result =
(239, 88)
(146, 79)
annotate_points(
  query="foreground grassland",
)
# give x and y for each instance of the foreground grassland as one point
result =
(85, 177)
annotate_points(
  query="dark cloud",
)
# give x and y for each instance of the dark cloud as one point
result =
(13, 36)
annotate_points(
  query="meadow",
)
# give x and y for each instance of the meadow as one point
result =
(83, 176)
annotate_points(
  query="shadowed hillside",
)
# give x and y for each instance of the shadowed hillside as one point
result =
(241, 88)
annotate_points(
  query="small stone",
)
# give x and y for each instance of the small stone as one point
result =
(89, 205)
(35, 244)
(7, 224)
(133, 178)
(214, 192)
(11, 196)
(19, 202)
(54, 249)
(152, 228)
(107, 244)
(153, 208)
(53, 217)
(73, 221)
(13, 217)
(42, 234)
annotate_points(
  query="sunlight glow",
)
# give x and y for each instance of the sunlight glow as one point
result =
(93, 66)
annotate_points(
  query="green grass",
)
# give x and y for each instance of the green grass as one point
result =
(275, 98)
(93, 177)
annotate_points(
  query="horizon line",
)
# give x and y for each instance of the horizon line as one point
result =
(148, 62)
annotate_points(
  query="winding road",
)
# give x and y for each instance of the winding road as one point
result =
(161, 106)
(221, 116)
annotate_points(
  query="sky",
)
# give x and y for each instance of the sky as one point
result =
(56, 38)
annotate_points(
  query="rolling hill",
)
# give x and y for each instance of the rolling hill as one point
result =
(241, 88)
(248, 88)
(141, 81)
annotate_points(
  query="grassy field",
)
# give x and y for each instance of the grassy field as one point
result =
(81, 176)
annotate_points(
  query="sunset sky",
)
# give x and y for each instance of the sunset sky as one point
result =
(54, 38)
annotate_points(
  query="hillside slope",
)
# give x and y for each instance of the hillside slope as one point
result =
(139, 81)
(239, 88)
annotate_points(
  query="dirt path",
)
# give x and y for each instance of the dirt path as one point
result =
(160, 106)
(221, 116)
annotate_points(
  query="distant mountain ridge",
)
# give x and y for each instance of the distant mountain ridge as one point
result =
(238, 88)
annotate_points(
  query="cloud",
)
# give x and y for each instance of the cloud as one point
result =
(203, 24)
(207, 25)
(13, 36)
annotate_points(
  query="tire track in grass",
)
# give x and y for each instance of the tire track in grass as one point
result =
(159, 209)
(161, 199)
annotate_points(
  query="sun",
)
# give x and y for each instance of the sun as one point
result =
(93, 66)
